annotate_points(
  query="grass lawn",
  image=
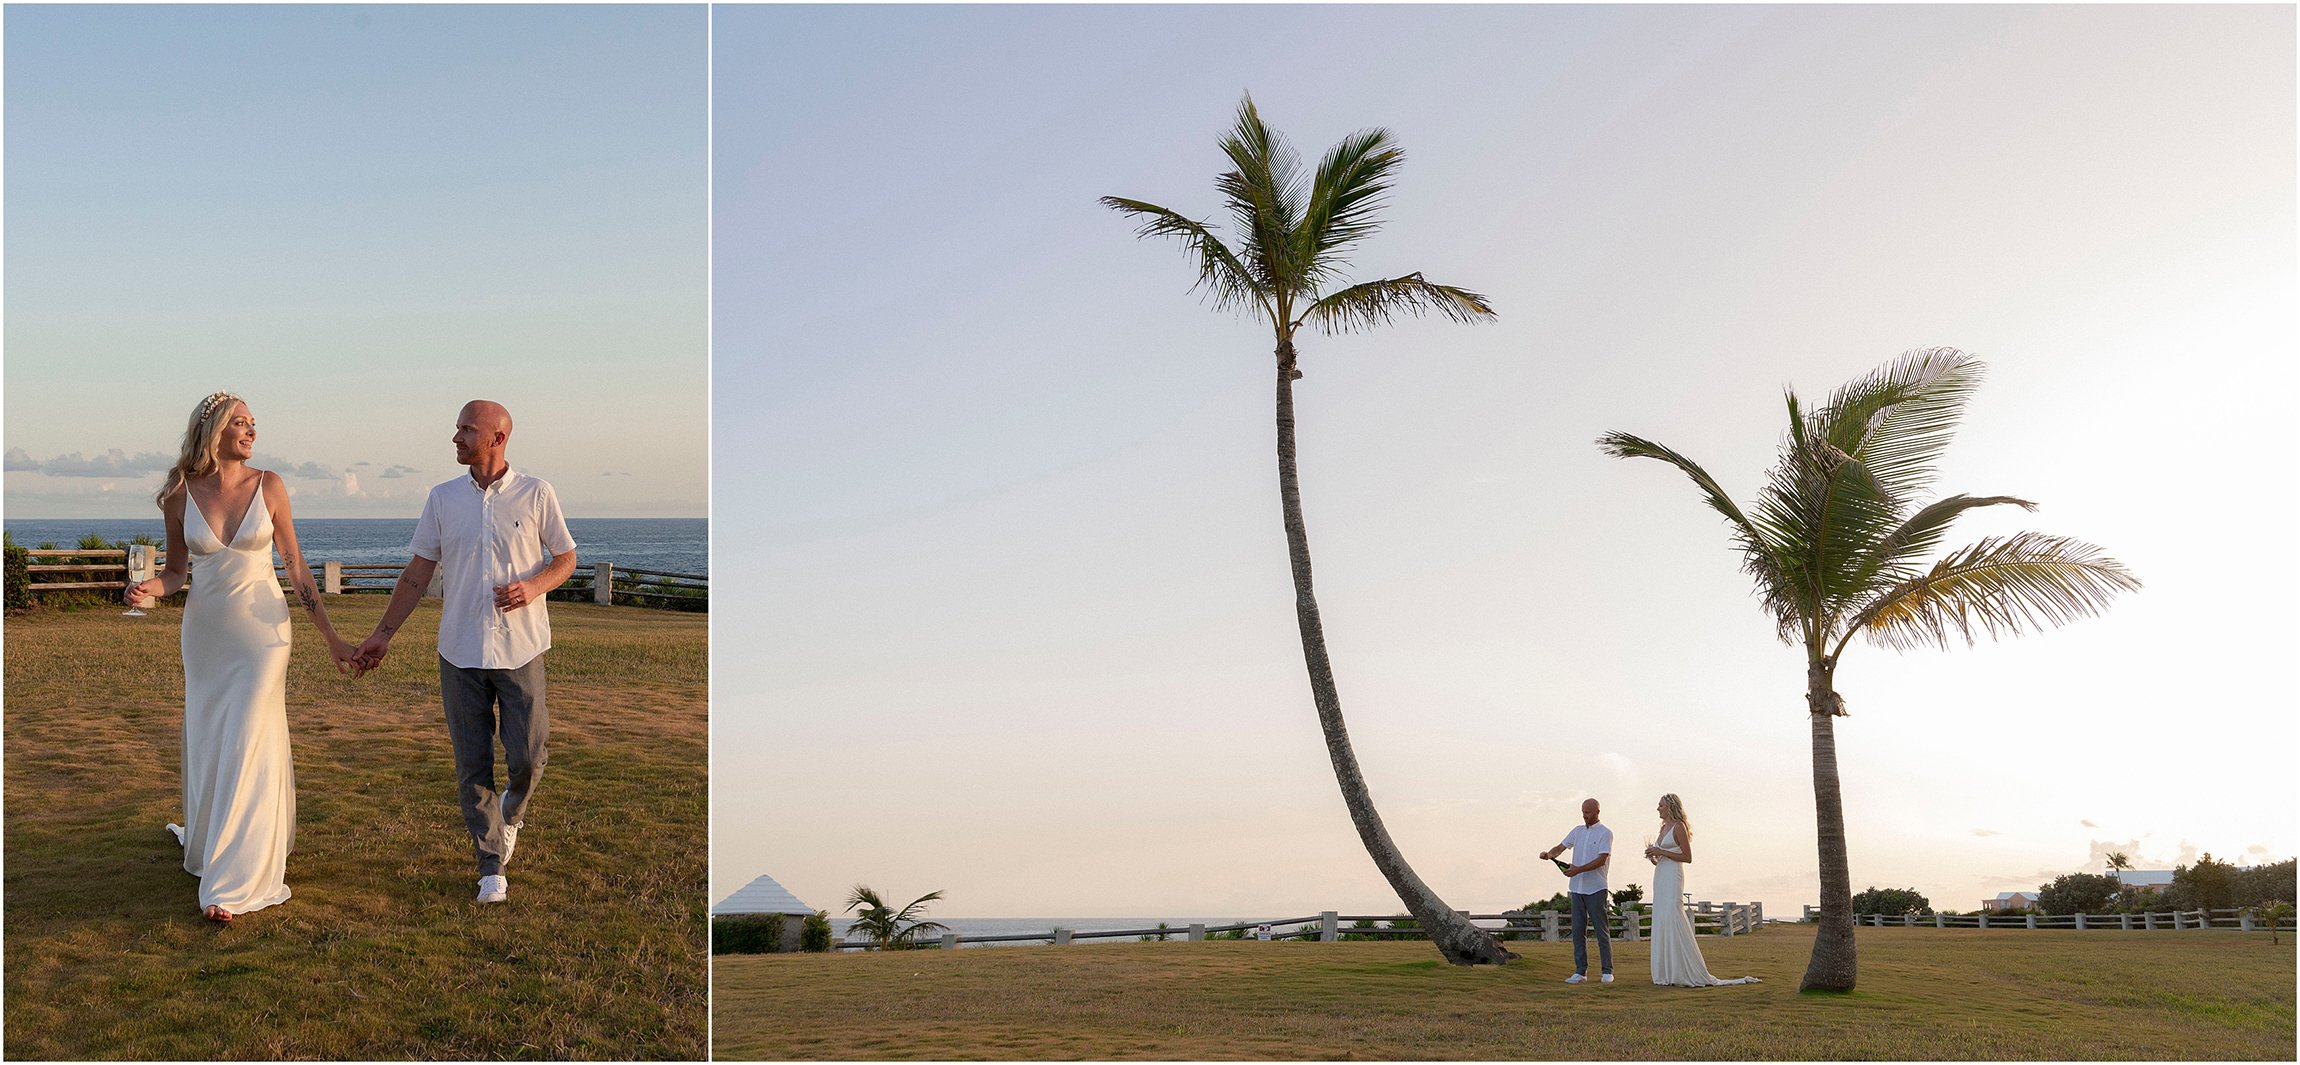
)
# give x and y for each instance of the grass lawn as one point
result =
(1924, 994)
(601, 952)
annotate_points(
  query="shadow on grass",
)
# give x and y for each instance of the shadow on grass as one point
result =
(382, 953)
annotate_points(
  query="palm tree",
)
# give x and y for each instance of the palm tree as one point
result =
(1294, 231)
(886, 926)
(2118, 862)
(1836, 545)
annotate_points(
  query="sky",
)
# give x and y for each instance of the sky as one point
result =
(357, 218)
(1023, 630)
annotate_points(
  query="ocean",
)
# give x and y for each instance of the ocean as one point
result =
(672, 545)
(1009, 926)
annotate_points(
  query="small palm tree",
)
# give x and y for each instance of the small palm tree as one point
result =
(1294, 232)
(2118, 862)
(1837, 543)
(887, 927)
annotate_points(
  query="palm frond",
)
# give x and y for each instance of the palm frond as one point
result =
(1896, 421)
(1264, 190)
(1997, 587)
(1225, 279)
(1761, 557)
(1923, 530)
(1345, 200)
(1372, 303)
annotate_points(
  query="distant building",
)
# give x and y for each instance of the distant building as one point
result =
(2011, 900)
(762, 897)
(2153, 881)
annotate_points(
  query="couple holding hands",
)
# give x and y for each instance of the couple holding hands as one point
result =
(498, 542)
(1676, 959)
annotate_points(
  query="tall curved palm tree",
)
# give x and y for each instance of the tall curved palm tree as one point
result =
(1836, 543)
(886, 926)
(1294, 231)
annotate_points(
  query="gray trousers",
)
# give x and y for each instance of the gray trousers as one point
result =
(473, 698)
(1588, 911)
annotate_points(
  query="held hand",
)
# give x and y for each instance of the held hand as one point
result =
(370, 652)
(510, 597)
(345, 656)
(136, 591)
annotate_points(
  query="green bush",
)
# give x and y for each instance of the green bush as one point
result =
(1891, 902)
(815, 933)
(747, 934)
(19, 575)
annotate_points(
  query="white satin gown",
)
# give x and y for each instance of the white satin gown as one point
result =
(239, 780)
(1676, 958)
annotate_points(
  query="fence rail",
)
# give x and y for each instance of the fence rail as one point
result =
(1631, 923)
(2241, 920)
(600, 582)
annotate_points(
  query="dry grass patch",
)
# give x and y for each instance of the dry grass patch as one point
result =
(602, 952)
(1924, 994)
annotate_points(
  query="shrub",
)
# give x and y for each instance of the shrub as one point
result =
(2077, 893)
(19, 575)
(1891, 902)
(815, 933)
(747, 934)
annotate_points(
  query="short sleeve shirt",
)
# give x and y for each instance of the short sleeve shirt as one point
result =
(484, 537)
(1588, 841)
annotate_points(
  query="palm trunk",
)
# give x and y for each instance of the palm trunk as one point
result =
(1461, 942)
(1833, 963)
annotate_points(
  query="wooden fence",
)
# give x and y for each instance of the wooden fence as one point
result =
(110, 569)
(1630, 924)
(2166, 921)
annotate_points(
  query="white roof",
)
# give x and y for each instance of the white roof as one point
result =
(2144, 877)
(2016, 895)
(762, 896)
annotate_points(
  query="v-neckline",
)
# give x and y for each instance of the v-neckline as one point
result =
(234, 538)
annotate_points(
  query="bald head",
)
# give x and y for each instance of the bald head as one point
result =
(1589, 811)
(482, 433)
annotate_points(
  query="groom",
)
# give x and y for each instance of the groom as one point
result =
(503, 545)
(1592, 846)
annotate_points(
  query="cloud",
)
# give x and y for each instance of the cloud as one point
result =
(1985, 832)
(362, 462)
(395, 472)
(112, 463)
(2087, 822)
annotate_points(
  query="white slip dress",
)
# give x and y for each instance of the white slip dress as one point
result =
(1676, 959)
(239, 778)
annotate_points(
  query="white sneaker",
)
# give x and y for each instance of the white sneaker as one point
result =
(1577, 978)
(494, 888)
(510, 840)
(1605, 979)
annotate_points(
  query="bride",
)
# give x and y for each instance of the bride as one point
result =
(1676, 959)
(223, 519)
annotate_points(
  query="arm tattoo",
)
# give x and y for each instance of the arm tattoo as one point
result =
(304, 596)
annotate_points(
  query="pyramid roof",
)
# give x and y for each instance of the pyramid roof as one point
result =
(761, 896)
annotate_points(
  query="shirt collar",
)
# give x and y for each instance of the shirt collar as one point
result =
(509, 474)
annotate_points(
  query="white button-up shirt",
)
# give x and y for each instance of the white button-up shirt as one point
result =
(482, 537)
(1588, 841)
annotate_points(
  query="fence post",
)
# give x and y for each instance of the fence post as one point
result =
(2125, 920)
(1808, 912)
(1940, 920)
(1636, 927)
(2080, 922)
(2032, 921)
(2148, 921)
(1329, 926)
(950, 941)
(603, 582)
(2244, 920)
(1549, 926)
(1061, 937)
(331, 578)
(1198, 933)
(1759, 915)
(1984, 920)
(1725, 926)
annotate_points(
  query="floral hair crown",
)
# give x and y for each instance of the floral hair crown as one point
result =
(214, 401)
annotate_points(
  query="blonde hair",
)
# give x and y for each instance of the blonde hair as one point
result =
(203, 437)
(1673, 808)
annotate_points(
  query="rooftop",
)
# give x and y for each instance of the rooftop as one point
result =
(761, 896)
